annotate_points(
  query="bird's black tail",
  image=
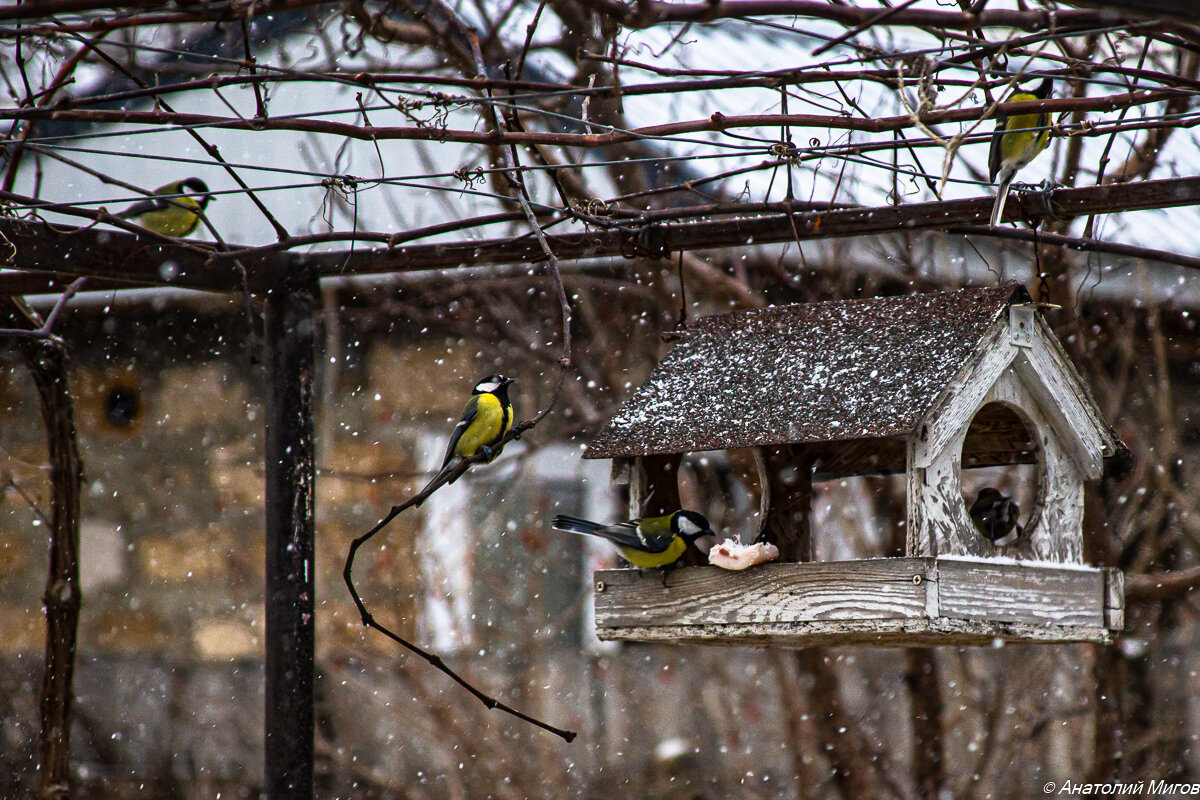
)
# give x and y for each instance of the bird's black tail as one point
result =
(564, 522)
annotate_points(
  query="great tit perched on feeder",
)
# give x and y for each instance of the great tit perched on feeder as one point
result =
(995, 516)
(171, 215)
(648, 542)
(487, 416)
(1017, 141)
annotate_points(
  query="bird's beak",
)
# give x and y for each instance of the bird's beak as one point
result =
(507, 381)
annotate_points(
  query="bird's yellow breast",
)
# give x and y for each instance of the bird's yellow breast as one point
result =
(1022, 147)
(172, 220)
(492, 421)
(643, 560)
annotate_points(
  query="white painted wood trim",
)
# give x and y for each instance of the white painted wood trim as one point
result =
(939, 524)
(1021, 324)
(933, 603)
(998, 592)
(621, 468)
(807, 591)
(963, 395)
(1052, 351)
(894, 601)
(872, 633)
(1114, 599)
(637, 487)
(1067, 400)
(1065, 417)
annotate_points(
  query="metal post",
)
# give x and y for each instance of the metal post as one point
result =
(290, 468)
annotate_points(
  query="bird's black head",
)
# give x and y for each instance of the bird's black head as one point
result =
(493, 384)
(690, 525)
(195, 186)
(1043, 89)
(989, 494)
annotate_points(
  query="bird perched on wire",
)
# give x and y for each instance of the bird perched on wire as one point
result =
(1017, 141)
(487, 416)
(175, 209)
(647, 542)
(995, 516)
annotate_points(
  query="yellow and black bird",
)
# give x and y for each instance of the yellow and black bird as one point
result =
(487, 416)
(648, 542)
(1017, 141)
(176, 209)
(995, 516)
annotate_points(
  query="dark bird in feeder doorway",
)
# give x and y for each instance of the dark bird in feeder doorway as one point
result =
(648, 542)
(175, 210)
(995, 515)
(1017, 141)
(487, 416)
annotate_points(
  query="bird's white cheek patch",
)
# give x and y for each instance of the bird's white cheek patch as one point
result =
(487, 387)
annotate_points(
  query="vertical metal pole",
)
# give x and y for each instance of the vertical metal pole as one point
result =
(290, 467)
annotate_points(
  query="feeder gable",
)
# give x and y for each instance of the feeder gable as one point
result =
(1024, 344)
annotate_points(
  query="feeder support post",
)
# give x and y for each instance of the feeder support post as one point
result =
(290, 334)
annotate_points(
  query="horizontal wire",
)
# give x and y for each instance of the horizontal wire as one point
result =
(333, 175)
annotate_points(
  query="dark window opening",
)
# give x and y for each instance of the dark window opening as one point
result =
(122, 406)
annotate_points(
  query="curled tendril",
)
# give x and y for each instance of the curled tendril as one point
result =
(595, 207)
(469, 176)
(353, 37)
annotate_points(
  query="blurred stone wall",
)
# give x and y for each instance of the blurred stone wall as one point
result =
(169, 409)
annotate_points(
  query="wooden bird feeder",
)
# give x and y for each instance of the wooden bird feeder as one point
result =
(925, 385)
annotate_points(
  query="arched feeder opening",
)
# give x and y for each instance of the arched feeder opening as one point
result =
(1003, 475)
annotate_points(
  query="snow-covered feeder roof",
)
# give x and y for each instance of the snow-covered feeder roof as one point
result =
(850, 379)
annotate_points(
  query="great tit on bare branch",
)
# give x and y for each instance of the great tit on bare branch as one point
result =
(648, 542)
(171, 215)
(995, 516)
(486, 418)
(1017, 141)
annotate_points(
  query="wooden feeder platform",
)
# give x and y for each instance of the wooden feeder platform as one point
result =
(885, 601)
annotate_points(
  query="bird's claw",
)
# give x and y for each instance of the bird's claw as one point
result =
(1044, 190)
(1048, 185)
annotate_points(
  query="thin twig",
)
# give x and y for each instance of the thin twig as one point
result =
(369, 621)
(29, 501)
(461, 468)
(260, 106)
(46, 331)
